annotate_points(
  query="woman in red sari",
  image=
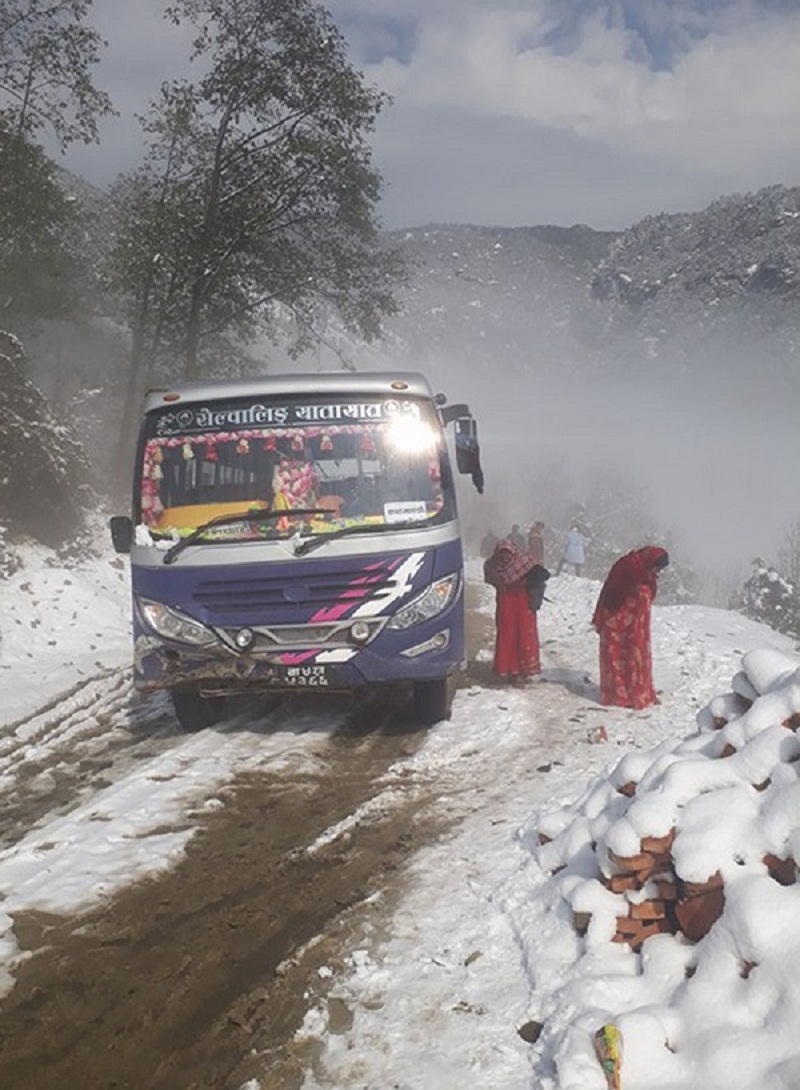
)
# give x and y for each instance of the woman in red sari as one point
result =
(519, 584)
(622, 619)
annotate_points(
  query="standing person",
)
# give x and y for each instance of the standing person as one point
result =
(516, 536)
(519, 585)
(536, 542)
(488, 542)
(573, 552)
(622, 620)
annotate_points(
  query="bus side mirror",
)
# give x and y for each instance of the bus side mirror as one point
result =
(121, 533)
(468, 451)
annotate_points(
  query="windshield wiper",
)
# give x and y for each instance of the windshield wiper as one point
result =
(257, 515)
(314, 542)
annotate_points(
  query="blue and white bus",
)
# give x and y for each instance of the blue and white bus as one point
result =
(297, 532)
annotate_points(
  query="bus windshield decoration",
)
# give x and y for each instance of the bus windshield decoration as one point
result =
(297, 530)
(353, 472)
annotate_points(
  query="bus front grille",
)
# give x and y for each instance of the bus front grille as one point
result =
(289, 598)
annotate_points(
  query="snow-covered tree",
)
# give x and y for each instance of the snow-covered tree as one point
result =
(9, 556)
(789, 556)
(789, 564)
(44, 491)
(37, 267)
(768, 597)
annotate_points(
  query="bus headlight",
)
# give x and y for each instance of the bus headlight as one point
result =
(244, 639)
(360, 632)
(431, 602)
(174, 625)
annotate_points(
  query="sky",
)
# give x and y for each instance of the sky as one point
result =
(526, 112)
(482, 943)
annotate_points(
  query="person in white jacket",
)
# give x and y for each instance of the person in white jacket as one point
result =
(574, 551)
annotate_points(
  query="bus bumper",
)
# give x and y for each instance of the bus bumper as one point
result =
(158, 665)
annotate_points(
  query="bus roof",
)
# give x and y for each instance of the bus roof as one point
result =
(385, 383)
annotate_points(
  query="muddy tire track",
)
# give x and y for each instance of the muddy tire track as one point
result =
(74, 746)
(178, 979)
(199, 978)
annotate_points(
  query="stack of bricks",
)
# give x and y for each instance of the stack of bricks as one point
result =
(741, 703)
(699, 905)
(658, 899)
(652, 866)
(671, 904)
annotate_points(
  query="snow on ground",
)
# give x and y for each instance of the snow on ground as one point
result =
(483, 943)
(59, 627)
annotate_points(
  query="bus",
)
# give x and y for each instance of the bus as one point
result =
(297, 532)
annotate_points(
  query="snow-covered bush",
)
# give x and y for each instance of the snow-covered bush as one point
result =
(44, 489)
(9, 558)
(770, 598)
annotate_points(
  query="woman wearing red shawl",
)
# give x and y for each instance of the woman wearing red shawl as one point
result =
(622, 619)
(519, 584)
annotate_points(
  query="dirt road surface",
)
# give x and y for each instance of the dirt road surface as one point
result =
(199, 978)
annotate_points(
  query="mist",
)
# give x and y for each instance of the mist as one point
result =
(709, 453)
(718, 467)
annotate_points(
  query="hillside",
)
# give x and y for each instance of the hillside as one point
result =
(681, 289)
(482, 294)
(685, 288)
(727, 277)
(665, 356)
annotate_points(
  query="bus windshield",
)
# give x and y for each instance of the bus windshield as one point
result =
(344, 464)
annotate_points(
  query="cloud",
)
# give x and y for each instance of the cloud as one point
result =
(745, 81)
(531, 111)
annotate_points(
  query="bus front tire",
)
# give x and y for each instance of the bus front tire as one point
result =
(196, 712)
(431, 701)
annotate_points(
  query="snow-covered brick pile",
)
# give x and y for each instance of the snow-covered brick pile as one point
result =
(684, 860)
(673, 835)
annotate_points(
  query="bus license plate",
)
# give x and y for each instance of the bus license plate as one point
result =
(303, 677)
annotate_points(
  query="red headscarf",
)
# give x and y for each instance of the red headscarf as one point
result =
(507, 564)
(637, 568)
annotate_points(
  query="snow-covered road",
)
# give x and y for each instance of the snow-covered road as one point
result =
(100, 789)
